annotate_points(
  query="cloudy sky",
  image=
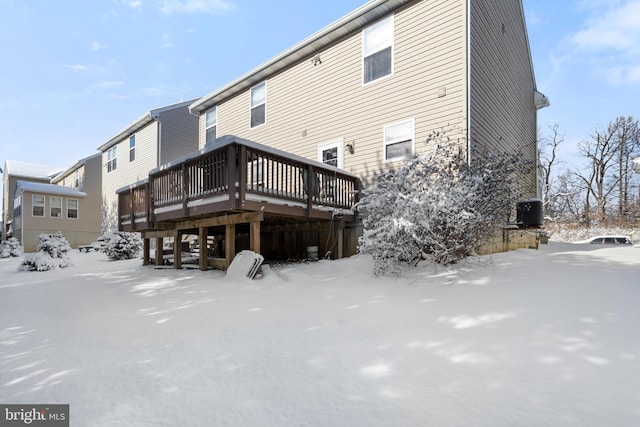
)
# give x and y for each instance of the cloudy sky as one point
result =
(72, 76)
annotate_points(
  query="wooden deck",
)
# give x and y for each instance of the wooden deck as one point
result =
(238, 182)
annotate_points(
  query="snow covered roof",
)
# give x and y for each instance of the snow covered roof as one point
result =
(30, 170)
(140, 122)
(38, 187)
(75, 166)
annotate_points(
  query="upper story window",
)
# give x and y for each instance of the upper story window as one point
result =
(55, 208)
(37, 205)
(76, 179)
(17, 206)
(259, 104)
(399, 140)
(111, 158)
(211, 124)
(132, 148)
(72, 208)
(377, 50)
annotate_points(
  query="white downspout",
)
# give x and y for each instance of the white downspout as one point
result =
(469, 82)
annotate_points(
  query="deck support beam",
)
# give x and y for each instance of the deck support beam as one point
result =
(230, 244)
(146, 251)
(203, 253)
(177, 250)
(159, 243)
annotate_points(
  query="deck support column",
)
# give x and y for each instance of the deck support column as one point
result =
(340, 242)
(146, 251)
(202, 240)
(159, 243)
(177, 251)
(230, 244)
(254, 236)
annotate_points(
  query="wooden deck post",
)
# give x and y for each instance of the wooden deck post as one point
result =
(146, 251)
(202, 240)
(340, 242)
(177, 251)
(159, 242)
(254, 236)
(230, 244)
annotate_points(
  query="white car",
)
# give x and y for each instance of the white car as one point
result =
(608, 240)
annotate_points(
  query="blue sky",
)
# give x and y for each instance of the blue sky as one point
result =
(72, 76)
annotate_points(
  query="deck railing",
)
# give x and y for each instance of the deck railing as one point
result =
(238, 176)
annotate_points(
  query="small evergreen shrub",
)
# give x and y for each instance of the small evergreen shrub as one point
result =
(53, 252)
(121, 245)
(10, 248)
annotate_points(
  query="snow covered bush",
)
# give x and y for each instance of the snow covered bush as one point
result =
(122, 245)
(53, 252)
(10, 248)
(437, 207)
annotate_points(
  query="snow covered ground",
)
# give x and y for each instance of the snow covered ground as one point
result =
(526, 338)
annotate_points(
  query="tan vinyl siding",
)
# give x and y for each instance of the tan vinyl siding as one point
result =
(179, 133)
(126, 172)
(309, 105)
(503, 116)
(77, 231)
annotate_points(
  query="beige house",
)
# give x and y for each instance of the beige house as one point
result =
(349, 102)
(158, 136)
(366, 91)
(70, 203)
(13, 172)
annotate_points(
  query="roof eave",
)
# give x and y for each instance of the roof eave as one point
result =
(307, 48)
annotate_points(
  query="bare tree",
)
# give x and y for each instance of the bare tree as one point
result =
(548, 161)
(628, 136)
(600, 178)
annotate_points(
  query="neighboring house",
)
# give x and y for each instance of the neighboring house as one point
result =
(48, 208)
(24, 171)
(86, 177)
(69, 202)
(363, 94)
(158, 136)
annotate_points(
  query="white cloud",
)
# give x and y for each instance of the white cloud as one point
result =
(98, 46)
(108, 84)
(212, 7)
(610, 39)
(77, 67)
(134, 4)
(615, 28)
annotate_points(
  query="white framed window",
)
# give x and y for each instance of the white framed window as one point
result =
(377, 50)
(399, 140)
(132, 148)
(331, 153)
(259, 105)
(211, 125)
(112, 154)
(55, 207)
(72, 208)
(37, 205)
(17, 205)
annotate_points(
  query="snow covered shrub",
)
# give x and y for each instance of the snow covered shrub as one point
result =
(122, 245)
(437, 207)
(53, 252)
(10, 248)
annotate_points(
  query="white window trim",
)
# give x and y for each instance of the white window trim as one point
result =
(251, 106)
(339, 143)
(77, 209)
(113, 149)
(44, 205)
(206, 127)
(393, 50)
(385, 143)
(132, 138)
(51, 207)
